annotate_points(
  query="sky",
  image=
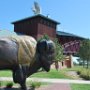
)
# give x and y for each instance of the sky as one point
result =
(74, 15)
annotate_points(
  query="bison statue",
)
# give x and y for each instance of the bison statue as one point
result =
(24, 56)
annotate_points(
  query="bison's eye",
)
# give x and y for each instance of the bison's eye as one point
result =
(51, 49)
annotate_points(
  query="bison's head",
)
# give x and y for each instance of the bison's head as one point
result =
(46, 50)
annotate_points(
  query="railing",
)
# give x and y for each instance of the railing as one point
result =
(71, 47)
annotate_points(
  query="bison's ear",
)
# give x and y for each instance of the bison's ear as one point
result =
(42, 46)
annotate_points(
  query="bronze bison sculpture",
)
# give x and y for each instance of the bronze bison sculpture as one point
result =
(24, 56)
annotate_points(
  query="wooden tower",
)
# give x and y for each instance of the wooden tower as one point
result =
(36, 26)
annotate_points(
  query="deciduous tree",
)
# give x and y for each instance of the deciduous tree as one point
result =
(84, 51)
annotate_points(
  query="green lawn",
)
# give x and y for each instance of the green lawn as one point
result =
(4, 83)
(28, 83)
(80, 86)
(75, 68)
(52, 74)
(5, 73)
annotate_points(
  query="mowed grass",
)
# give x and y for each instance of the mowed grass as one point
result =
(75, 68)
(28, 83)
(6, 73)
(51, 74)
(80, 86)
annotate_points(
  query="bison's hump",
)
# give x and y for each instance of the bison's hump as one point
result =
(26, 48)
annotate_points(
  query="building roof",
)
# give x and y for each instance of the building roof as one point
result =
(61, 33)
(35, 16)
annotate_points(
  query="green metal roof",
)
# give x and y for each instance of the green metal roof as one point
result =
(38, 15)
(61, 33)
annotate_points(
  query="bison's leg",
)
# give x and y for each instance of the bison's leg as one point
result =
(20, 77)
(14, 77)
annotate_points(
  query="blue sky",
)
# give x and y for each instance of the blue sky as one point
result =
(74, 15)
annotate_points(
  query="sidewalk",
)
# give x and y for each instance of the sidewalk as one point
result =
(56, 86)
(49, 80)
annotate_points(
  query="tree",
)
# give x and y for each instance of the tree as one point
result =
(58, 53)
(84, 51)
(45, 36)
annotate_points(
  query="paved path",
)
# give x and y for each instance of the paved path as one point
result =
(56, 86)
(48, 87)
(59, 80)
(49, 80)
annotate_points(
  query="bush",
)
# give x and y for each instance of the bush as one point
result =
(9, 85)
(84, 73)
(79, 71)
(0, 83)
(35, 84)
